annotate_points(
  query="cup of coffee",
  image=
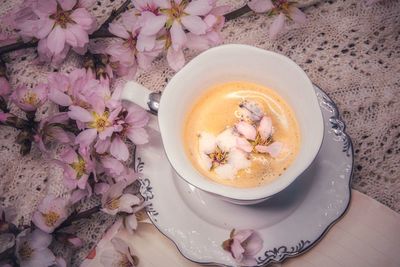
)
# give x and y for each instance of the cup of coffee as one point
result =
(238, 122)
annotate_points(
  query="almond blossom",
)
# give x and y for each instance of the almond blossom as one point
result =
(114, 200)
(221, 155)
(284, 9)
(244, 246)
(132, 121)
(32, 249)
(51, 213)
(121, 255)
(58, 25)
(124, 54)
(96, 122)
(76, 88)
(258, 139)
(29, 99)
(77, 167)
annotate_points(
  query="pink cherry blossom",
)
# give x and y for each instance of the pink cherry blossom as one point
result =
(115, 200)
(124, 52)
(58, 25)
(258, 138)
(50, 130)
(97, 122)
(132, 121)
(284, 10)
(29, 99)
(75, 88)
(244, 246)
(121, 255)
(221, 155)
(77, 166)
(51, 212)
(32, 249)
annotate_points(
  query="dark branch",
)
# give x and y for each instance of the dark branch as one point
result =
(99, 33)
(237, 13)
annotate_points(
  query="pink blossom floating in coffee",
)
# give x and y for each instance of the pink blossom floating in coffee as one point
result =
(244, 246)
(220, 154)
(258, 138)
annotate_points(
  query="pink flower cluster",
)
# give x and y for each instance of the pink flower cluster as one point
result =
(157, 25)
(283, 9)
(58, 25)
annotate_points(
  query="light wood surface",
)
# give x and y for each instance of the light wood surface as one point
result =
(367, 236)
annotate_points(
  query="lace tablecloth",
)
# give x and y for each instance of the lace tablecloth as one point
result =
(349, 49)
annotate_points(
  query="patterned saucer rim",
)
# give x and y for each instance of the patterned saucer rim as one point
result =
(278, 254)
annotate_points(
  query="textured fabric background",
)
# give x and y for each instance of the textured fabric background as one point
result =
(349, 49)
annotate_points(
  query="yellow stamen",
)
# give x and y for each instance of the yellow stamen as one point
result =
(218, 157)
(112, 204)
(100, 122)
(80, 167)
(51, 218)
(259, 141)
(25, 251)
(31, 98)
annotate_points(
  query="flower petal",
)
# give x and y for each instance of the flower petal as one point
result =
(260, 6)
(138, 136)
(198, 7)
(67, 4)
(227, 139)
(194, 24)
(84, 19)
(207, 143)
(175, 58)
(178, 36)
(297, 15)
(127, 201)
(277, 26)
(152, 24)
(247, 130)
(145, 42)
(59, 98)
(238, 159)
(244, 145)
(79, 114)
(56, 40)
(265, 127)
(119, 149)
(86, 137)
(119, 30)
(226, 171)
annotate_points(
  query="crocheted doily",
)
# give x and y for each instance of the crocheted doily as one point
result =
(349, 49)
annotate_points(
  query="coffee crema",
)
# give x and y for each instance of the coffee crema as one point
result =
(241, 134)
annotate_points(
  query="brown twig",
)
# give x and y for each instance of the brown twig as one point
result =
(237, 13)
(99, 33)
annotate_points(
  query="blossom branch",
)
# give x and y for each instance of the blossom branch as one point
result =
(99, 33)
(237, 13)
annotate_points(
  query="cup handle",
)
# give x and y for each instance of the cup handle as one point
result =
(140, 95)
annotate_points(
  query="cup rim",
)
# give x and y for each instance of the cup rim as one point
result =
(241, 194)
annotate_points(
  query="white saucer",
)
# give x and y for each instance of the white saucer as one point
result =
(289, 223)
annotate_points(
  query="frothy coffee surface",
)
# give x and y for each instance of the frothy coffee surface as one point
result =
(241, 134)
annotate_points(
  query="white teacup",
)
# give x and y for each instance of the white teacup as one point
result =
(228, 63)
